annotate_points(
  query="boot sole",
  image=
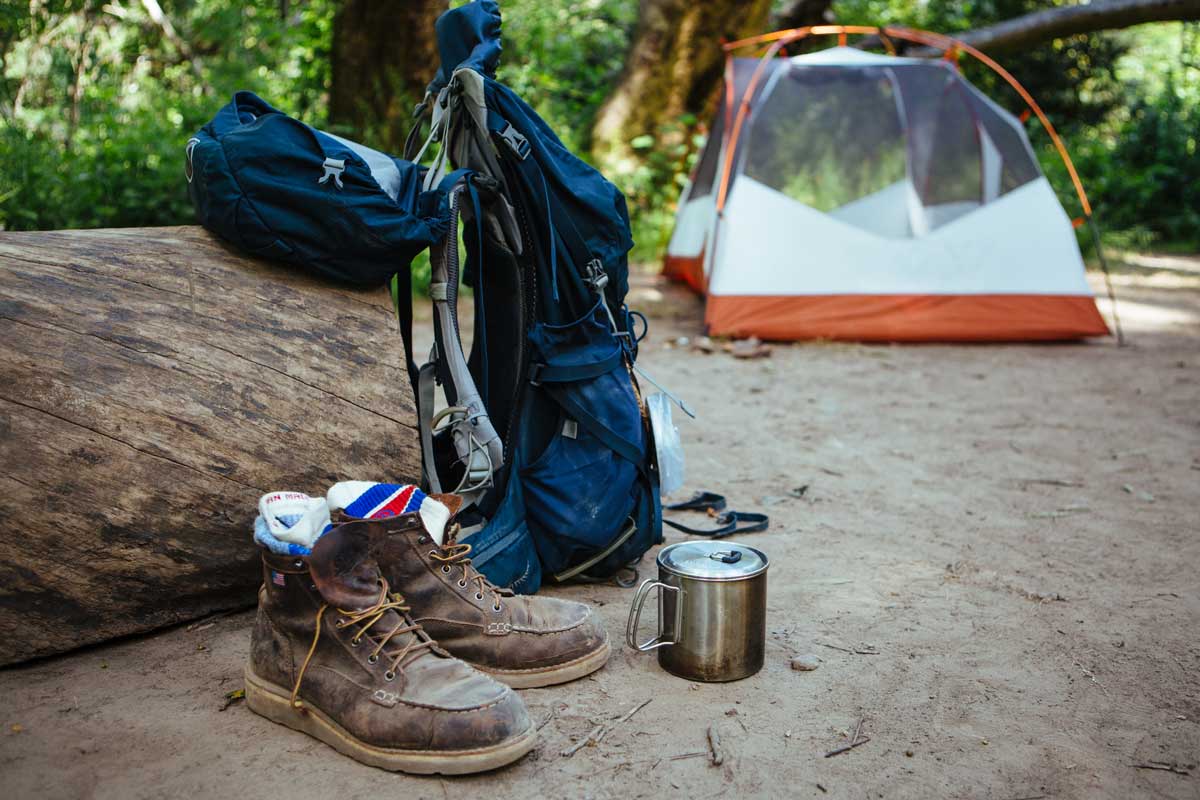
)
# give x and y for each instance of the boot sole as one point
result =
(548, 676)
(274, 703)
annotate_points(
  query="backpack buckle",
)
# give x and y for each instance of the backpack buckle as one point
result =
(596, 276)
(515, 141)
(333, 169)
(535, 372)
(189, 169)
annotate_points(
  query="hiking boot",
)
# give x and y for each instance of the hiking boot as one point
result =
(336, 654)
(521, 640)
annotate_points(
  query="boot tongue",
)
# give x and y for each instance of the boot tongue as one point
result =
(367, 500)
(344, 568)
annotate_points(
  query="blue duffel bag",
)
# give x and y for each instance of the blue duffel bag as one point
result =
(280, 189)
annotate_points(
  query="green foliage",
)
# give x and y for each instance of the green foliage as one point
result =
(652, 184)
(563, 57)
(1139, 165)
(98, 99)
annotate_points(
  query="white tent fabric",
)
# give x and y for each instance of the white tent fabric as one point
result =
(963, 257)
(876, 197)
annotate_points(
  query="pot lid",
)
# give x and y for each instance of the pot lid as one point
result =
(712, 560)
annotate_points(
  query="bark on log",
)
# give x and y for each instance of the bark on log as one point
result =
(153, 384)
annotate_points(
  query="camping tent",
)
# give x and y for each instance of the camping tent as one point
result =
(849, 195)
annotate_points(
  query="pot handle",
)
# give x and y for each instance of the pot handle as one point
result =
(635, 616)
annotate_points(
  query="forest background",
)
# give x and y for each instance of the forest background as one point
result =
(98, 97)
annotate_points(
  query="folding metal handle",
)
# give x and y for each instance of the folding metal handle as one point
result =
(635, 616)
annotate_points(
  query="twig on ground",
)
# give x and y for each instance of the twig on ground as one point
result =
(600, 731)
(682, 756)
(1162, 766)
(633, 711)
(546, 721)
(848, 747)
(1054, 482)
(866, 651)
(832, 472)
(1058, 513)
(716, 753)
(857, 740)
(594, 736)
(1091, 675)
(1155, 597)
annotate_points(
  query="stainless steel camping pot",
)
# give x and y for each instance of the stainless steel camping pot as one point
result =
(712, 610)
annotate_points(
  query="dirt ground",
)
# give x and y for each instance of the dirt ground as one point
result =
(995, 561)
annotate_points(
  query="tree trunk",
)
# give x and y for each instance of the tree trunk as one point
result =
(153, 384)
(800, 13)
(674, 67)
(1028, 30)
(384, 54)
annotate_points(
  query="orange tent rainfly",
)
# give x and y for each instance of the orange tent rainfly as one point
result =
(851, 195)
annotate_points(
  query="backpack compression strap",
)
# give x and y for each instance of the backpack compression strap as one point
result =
(477, 446)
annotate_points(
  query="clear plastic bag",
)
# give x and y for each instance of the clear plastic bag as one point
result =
(666, 441)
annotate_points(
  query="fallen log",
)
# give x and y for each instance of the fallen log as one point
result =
(153, 384)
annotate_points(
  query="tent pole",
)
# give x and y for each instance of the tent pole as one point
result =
(1112, 295)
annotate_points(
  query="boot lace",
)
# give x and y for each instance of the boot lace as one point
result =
(364, 619)
(454, 553)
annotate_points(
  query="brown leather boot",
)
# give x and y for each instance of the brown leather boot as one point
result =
(521, 640)
(336, 655)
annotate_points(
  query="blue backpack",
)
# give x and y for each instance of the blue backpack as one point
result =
(277, 188)
(547, 437)
(544, 433)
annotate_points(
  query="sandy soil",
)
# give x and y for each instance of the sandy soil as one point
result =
(995, 561)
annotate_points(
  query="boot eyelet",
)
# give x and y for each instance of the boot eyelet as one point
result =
(479, 595)
(432, 553)
(371, 659)
(446, 568)
(462, 584)
(496, 608)
(298, 564)
(422, 539)
(389, 676)
(341, 623)
(354, 642)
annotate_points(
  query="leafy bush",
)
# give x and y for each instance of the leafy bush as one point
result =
(97, 101)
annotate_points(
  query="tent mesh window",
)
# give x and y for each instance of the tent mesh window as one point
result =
(710, 157)
(898, 150)
(827, 137)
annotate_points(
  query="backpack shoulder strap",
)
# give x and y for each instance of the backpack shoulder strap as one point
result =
(478, 448)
